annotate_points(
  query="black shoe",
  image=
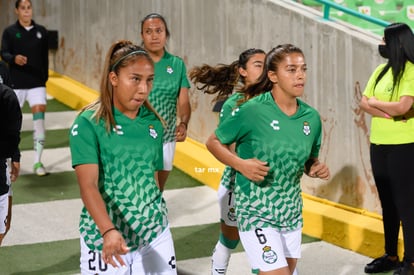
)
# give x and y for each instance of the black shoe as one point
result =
(382, 264)
(405, 269)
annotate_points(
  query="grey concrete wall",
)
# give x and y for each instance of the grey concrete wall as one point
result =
(216, 31)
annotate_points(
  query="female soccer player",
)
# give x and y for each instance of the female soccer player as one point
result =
(116, 146)
(277, 138)
(225, 80)
(169, 94)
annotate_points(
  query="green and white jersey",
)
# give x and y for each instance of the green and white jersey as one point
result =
(128, 158)
(229, 174)
(261, 130)
(384, 130)
(170, 77)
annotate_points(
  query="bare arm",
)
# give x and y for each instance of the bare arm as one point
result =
(253, 169)
(184, 114)
(392, 108)
(372, 110)
(114, 244)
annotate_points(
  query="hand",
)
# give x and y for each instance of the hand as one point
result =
(181, 132)
(14, 171)
(319, 170)
(254, 169)
(113, 247)
(20, 60)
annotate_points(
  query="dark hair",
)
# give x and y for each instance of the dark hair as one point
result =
(119, 55)
(19, 1)
(152, 16)
(399, 42)
(273, 58)
(221, 79)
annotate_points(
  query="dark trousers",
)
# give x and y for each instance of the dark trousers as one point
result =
(393, 169)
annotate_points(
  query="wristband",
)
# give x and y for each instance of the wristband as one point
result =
(185, 124)
(110, 229)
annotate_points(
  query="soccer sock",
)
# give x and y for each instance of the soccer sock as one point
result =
(38, 135)
(222, 251)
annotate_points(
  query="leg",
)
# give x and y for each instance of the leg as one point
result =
(391, 220)
(38, 137)
(229, 234)
(3, 215)
(162, 179)
(380, 161)
(272, 252)
(401, 161)
(37, 101)
(156, 258)
(168, 151)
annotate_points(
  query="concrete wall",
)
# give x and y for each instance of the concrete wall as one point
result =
(216, 31)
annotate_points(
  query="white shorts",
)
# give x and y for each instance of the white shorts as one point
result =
(168, 151)
(156, 258)
(4, 210)
(34, 96)
(226, 204)
(268, 248)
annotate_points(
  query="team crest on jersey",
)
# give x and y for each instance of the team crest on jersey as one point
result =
(231, 214)
(118, 130)
(170, 70)
(306, 128)
(152, 132)
(269, 256)
(275, 125)
(39, 35)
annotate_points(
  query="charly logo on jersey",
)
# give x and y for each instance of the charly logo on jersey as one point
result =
(269, 256)
(152, 132)
(118, 130)
(275, 125)
(74, 131)
(234, 111)
(306, 128)
(231, 214)
(170, 70)
(39, 35)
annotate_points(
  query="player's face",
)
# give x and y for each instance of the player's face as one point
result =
(254, 68)
(24, 12)
(154, 35)
(132, 86)
(290, 77)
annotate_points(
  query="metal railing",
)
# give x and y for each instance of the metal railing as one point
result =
(330, 4)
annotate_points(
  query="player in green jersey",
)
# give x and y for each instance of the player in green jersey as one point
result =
(225, 80)
(277, 139)
(388, 96)
(116, 147)
(169, 94)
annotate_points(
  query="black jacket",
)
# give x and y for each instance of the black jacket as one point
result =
(31, 43)
(10, 125)
(4, 74)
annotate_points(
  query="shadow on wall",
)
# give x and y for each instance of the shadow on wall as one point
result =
(346, 187)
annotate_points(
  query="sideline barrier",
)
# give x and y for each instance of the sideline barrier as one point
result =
(351, 228)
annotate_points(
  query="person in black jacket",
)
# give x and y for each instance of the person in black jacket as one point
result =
(25, 48)
(4, 73)
(10, 123)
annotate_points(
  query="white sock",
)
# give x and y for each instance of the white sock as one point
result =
(38, 138)
(221, 256)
